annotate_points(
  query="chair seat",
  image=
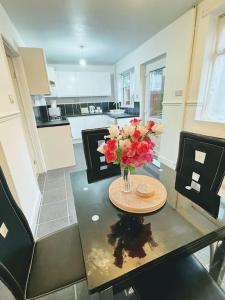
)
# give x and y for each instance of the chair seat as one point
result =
(185, 279)
(57, 262)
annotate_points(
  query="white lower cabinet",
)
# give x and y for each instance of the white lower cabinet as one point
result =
(57, 146)
(123, 121)
(88, 122)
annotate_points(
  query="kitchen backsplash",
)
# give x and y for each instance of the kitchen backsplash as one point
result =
(73, 109)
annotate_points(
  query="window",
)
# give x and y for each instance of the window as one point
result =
(127, 88)
(213, 107)
(156, 92)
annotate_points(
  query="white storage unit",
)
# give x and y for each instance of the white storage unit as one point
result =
(83, 84)
(88, 122)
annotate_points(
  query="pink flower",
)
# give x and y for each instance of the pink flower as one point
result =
(136, 134)
(110, 156)
(112, 145)
(150, 142)
(150, 124)
(135, 121)
(143, 148)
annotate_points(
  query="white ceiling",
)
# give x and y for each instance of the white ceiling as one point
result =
(109, 29)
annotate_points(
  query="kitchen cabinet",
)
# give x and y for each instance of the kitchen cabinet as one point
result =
(9, 103)
(83, 84)
(123, 121)
(35, 70)
(88, 122)
(57, 146)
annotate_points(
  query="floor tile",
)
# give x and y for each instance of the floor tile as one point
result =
(52, 184)
(55, 175)
(52, 226)
(54, 195)
(5, 294)
(65, 294)
(53, 211)
(81, 292)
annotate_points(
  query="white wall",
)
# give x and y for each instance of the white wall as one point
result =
(205, 8)
(13, 143)
(176, 42)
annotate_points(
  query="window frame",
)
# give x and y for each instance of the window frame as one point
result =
(131, 73)
(210, 56)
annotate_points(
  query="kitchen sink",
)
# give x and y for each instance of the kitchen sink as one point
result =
(117, 111)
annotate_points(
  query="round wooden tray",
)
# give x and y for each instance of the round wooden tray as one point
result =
(132, 202)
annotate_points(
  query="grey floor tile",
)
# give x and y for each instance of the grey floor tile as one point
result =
(52, 184)
(53, 211)
(65, 294)
(55, 175)
(52, 226)
(54, 195)
(81, 292)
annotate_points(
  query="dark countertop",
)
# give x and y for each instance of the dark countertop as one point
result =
(66, 122)
(53, 123)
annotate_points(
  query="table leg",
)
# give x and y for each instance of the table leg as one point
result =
(217, 268)
(106, 294)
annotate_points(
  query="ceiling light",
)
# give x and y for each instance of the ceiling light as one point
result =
(82, 61)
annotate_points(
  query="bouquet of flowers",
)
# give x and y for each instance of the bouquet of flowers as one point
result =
(131, 146)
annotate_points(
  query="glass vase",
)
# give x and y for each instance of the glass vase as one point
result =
(126, 180)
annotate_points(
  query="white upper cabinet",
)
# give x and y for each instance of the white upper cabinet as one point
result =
(83, 84)
(66, 82)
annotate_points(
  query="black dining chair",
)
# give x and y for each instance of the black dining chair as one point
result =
(97, 167)
(183, 279)
(31, 268)
(201, 170)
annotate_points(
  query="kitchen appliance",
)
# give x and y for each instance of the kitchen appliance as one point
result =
(92, 109)
(84, 110)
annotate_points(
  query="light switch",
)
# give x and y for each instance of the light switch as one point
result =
(3, 230)
(200, 156)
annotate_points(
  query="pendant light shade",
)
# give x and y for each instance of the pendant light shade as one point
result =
(82, 60)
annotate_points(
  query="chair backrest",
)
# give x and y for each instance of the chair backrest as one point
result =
(97, 167)
(201, 169)
(16, 243)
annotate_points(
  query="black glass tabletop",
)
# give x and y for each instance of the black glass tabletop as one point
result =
(117, 245)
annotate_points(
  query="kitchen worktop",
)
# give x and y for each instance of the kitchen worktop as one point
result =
(66, 122)
(53, 123)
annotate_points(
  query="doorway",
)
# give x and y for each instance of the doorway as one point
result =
(154, 95)
(12, 55)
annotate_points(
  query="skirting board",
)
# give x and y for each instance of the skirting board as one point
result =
(34, 220)
(167, 162)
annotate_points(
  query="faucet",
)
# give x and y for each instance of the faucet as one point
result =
(118, 105)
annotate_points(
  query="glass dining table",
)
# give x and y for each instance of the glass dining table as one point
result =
(117, 246)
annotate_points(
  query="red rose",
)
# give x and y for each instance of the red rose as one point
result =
(137, 134)
(135, 121)
(125, 159)
(110, 156)
(150, 125)
(150, 142)
(112, 145)
(143, 148)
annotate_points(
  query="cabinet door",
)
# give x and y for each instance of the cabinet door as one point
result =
(36, 70)
(9, 103)
(102, 84)
(67, 83)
